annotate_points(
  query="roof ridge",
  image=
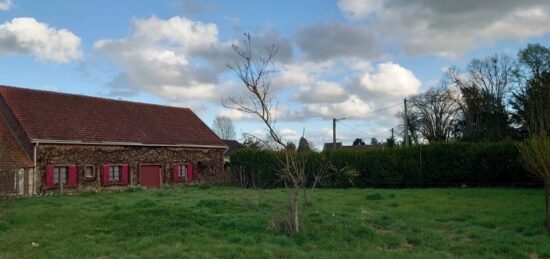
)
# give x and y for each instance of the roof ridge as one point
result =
(90, 96)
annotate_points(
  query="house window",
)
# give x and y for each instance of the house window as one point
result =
(89, 172)
(114, 173)
(182, 172)
(60, 171)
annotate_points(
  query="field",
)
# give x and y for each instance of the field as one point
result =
(208, 221)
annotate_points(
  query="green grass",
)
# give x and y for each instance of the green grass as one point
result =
(229, 223)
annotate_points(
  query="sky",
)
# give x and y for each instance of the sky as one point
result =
(356, 59)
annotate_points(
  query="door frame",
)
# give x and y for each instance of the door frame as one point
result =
(152, 164)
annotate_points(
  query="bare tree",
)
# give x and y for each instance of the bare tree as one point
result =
(254, 68)
(438, 112)
(413, 126)
(224, 128)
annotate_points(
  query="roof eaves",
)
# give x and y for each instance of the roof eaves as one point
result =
(117, 143)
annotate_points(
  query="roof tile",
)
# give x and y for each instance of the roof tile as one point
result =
(60, 116)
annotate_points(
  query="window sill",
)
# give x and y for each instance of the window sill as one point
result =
(115, 184)
(56, 186)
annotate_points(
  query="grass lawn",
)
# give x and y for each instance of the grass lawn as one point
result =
(228, 222)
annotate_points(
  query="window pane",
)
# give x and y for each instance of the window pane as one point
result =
(89, 171)
(114, 173)
(183, 171)
(64, 175)
(55, 175)
(57, 171)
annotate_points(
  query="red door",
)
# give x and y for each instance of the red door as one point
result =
(149, 176)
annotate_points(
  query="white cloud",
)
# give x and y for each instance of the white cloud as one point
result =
(391, 79)
(233, 114)
(26, 35)
(353, 106)
(195, 91)
(359, 9)
(5, 5)
(321, 92)
(300, 73)
(155, 58)
(177, 59)
(185, 33)
(288, 134)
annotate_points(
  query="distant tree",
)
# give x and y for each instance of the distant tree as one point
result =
(531, 105)
(358, 142)
(251, 141)
(290, 146)
(390, 142)
(374, 141)
(437, 111)
(531, 108)
(534, 61)
(484, 88)
(224, 128)
(303, 145)
(535, 153)
(413, 126)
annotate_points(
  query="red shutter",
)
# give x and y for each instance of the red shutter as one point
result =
(105, 175)
(124, 177)
(176, 172)
(72, 181)
(49, 176)
(189, 172)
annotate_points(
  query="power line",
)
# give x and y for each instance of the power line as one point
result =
(373, 112)
(359, 131)
(383, 108)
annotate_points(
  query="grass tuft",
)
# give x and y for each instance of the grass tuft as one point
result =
(374, 197)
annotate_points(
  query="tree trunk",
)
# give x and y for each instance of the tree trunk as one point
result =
(295, 216)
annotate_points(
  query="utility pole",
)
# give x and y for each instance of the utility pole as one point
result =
(334, 120)
(392, 133)
(406, 134)
(333, 133)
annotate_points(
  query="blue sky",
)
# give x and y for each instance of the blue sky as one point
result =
(345, 58)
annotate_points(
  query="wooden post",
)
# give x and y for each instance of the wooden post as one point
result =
(60, 181)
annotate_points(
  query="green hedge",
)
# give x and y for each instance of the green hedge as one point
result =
(446, 164)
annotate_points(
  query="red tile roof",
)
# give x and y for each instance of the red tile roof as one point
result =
(59, 116)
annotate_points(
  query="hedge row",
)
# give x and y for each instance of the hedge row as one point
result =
(446, 164)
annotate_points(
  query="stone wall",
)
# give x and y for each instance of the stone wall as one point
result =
(12, 159)
(208, 161)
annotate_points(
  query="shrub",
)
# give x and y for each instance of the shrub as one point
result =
(535, 154)
(445, 164)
